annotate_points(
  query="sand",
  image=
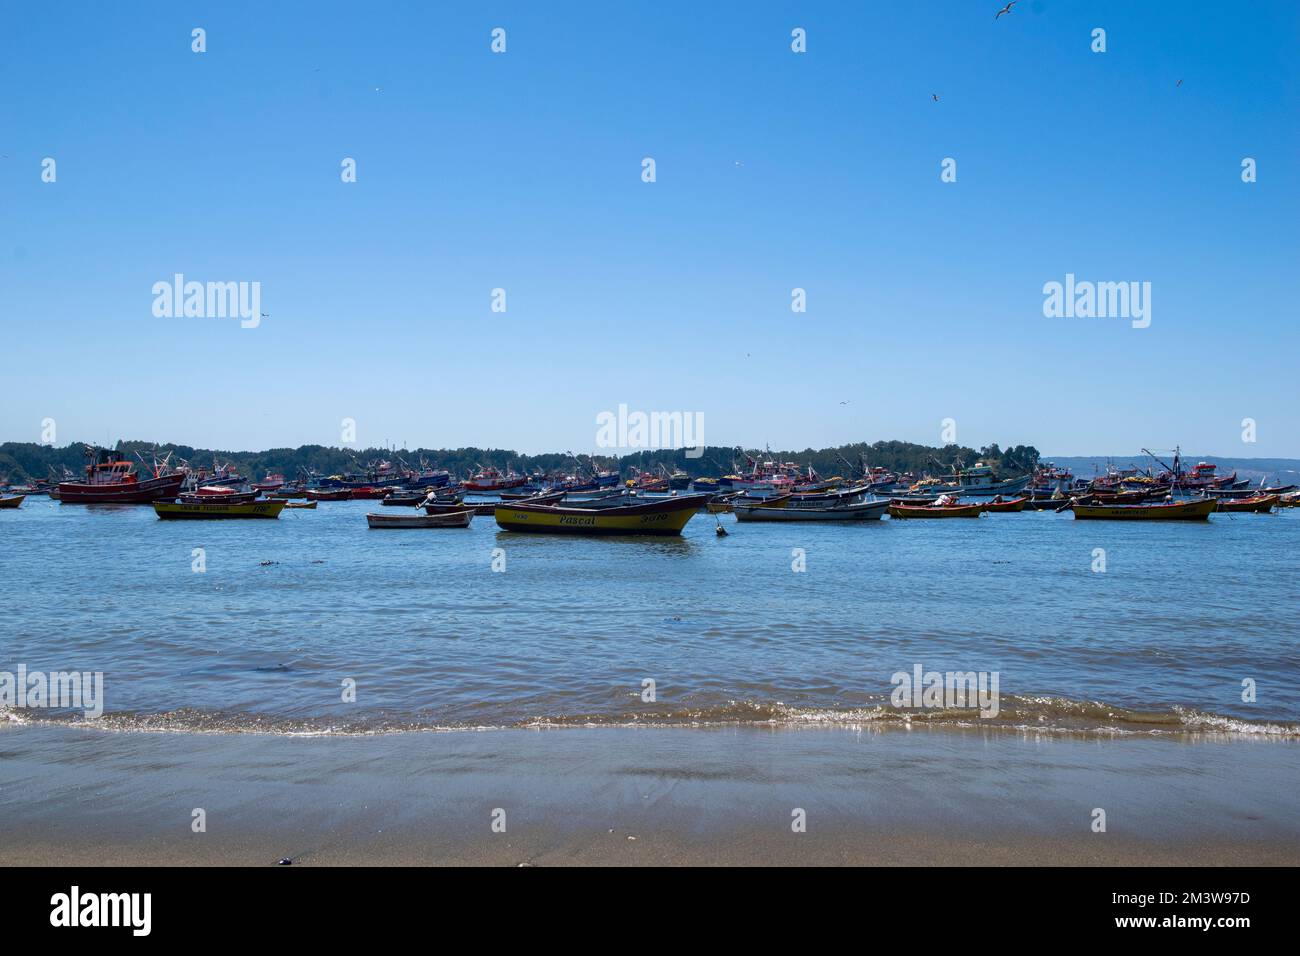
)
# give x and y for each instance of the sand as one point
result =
(641, 796)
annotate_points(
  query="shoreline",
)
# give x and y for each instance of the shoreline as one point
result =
(641, 796)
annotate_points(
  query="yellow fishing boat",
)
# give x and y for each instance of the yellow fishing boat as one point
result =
(13, 502)
(1198, 510)
(252, 509)
(664, 517)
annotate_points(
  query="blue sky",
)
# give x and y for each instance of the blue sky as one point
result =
(775, 170)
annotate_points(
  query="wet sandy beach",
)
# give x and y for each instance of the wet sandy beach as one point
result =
(645, 796)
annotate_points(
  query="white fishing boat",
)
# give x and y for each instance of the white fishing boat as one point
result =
(978, 481)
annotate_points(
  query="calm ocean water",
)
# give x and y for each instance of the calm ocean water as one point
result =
(286, 611)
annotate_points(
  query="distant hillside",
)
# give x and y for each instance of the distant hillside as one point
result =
(1286, 469)
(23, 460)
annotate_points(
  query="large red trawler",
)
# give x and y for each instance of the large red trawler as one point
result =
(112, 481)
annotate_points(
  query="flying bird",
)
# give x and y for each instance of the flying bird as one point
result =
(1006, 9)
(1179, 83)
(935, 97)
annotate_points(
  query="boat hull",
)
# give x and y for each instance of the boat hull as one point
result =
(331, 495)
(924, 511)
(171, 510)
(1260, 504)
(867, 511)
(1174, 511)
(121, 493)
(660, 518)
(450, 519)
(1007, 507)
(13, 502)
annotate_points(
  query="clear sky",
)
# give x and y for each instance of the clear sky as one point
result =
(774, 169)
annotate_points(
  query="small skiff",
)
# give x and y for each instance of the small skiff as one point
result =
(1259, 504)
(936, 511)
(450, 519)
(864, 511)
(1007, 507)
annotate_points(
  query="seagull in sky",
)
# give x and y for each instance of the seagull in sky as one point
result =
(1179, 83)
(1006, 9)
(935, 97)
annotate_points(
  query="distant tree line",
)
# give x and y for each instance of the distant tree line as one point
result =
(22, 461)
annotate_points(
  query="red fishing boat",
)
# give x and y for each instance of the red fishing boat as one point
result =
(490, 479)
(269, 483)
(110, 481)
(328, 494)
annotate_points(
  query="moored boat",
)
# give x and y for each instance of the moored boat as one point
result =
(217, 494)
(300, 504)
(450, 519)
(262, 508)
(664, 517)
(490, 479)
(328, 494)
(11, 502)
(859, 511)
(1259, 504)
(935, 511)
(1198, 510)
(110, 480)
(998, 506)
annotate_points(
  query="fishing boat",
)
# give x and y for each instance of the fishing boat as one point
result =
(367, 494)
(300, 504)
(110, 480)
(226, 476)
(1198, 510)
(664, 517)
(328, 494)
(450, 519)
(978, 481)
(262, 508)
(404, 499)
(999, 506)
(217, 494)
(289, 492)
(1045, 504)
(857, 511)
(1259, 504)
(935, 511)
(269, 483)
(11, 502)
(490, 479)
(1291, 500)
(1250, 492)
(1204, 476)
